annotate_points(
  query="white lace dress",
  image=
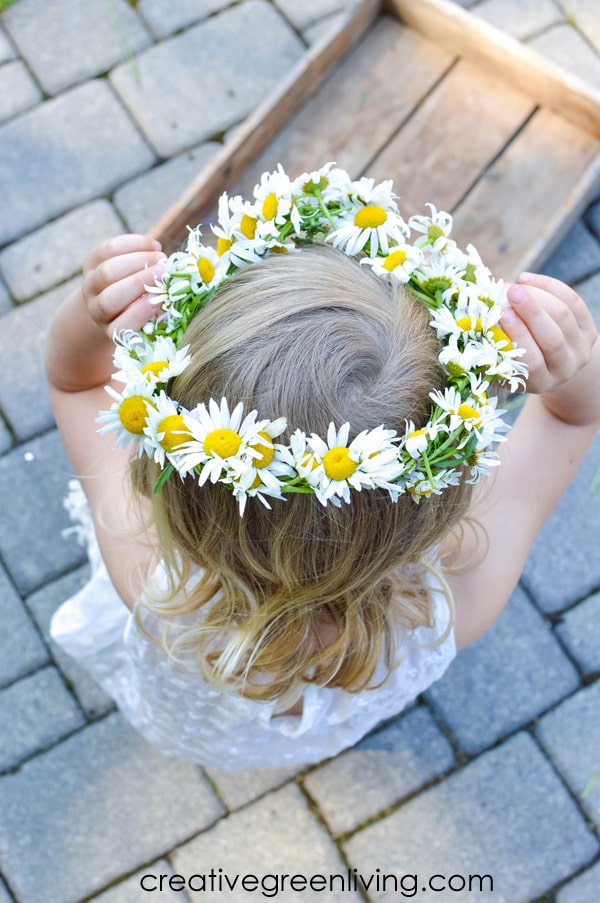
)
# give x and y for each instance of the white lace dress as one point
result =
(178, 711)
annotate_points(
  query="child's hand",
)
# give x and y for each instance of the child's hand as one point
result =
(114, 276)
(552, 323)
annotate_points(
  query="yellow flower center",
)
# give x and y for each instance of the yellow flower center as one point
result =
(206, 269)
(434, 232)
(415, 433)
(175, 432)
(500, 336)
(466, 412)
(153, 368)
(266, 449)
(393, 260)
(370, 217)
(248, 226)
(133, 413)
(338, 464)
(222, 442)
(309, 460)
(269, 207)
(421, 488)
(255, 482)
(223, 245)
(454, 369)
(468, 323)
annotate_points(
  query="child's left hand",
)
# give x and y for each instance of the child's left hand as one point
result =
(114, 276)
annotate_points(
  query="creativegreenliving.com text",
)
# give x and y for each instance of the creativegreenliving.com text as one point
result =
(218, 881)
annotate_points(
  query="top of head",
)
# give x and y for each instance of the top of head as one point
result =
(371, 370)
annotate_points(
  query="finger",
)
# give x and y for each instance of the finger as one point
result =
(120, 244)
(565, 293)
(136, 314)
(117, 297)
(115, 269)
(517, 330)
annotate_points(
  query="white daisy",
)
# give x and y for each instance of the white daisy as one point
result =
(399, 263)
(155, 362)
(128, 415)
(166, 431)
(332, 184)
(436, 228)
(236, 230)
(417, 441)
(218, 437)
(274, 201)
(372, 220)
(370, 461)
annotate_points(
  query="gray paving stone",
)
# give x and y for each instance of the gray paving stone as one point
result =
(580, 632)
(576, 257)
(56, 252)
(143, 200)
(583, 889)
(18, 91)
(132, 889)
(42, 605)
(21, 647)
(66, 41)
(24, 398)
(584, 14)
(520, 18)
(303, 14)
(97, 806)
(276, 835)
(571, 735)
(382, 769)
(564, 45)
(165, 17)
(35, 712)
(563, 565)
(7, 51)
(188, 90)
(67, 151)
(504, 679)
(506, 815)
(237, 788)
(33, 483)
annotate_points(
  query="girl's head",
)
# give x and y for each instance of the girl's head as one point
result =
(316, 338)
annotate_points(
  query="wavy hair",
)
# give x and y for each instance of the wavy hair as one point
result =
(302, 593)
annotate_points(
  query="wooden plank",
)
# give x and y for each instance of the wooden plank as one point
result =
(360, 107)
(466, 35)
(529, 194)
(258, 129)
(452, 138)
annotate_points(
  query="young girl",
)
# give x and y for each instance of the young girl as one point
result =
(299, 541)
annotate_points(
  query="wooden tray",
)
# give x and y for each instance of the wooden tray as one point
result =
(454, 111)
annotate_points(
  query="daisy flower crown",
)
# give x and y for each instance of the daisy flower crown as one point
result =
(217, 441)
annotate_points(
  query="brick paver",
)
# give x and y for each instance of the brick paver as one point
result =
(108, 109)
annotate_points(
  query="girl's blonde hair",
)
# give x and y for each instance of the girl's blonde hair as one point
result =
(314, 337)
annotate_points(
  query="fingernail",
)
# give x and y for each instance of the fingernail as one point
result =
(517, 295)
(526, 277)
(156, 245)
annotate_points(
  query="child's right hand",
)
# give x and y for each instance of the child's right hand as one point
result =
(114, 276)
(551, 322)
